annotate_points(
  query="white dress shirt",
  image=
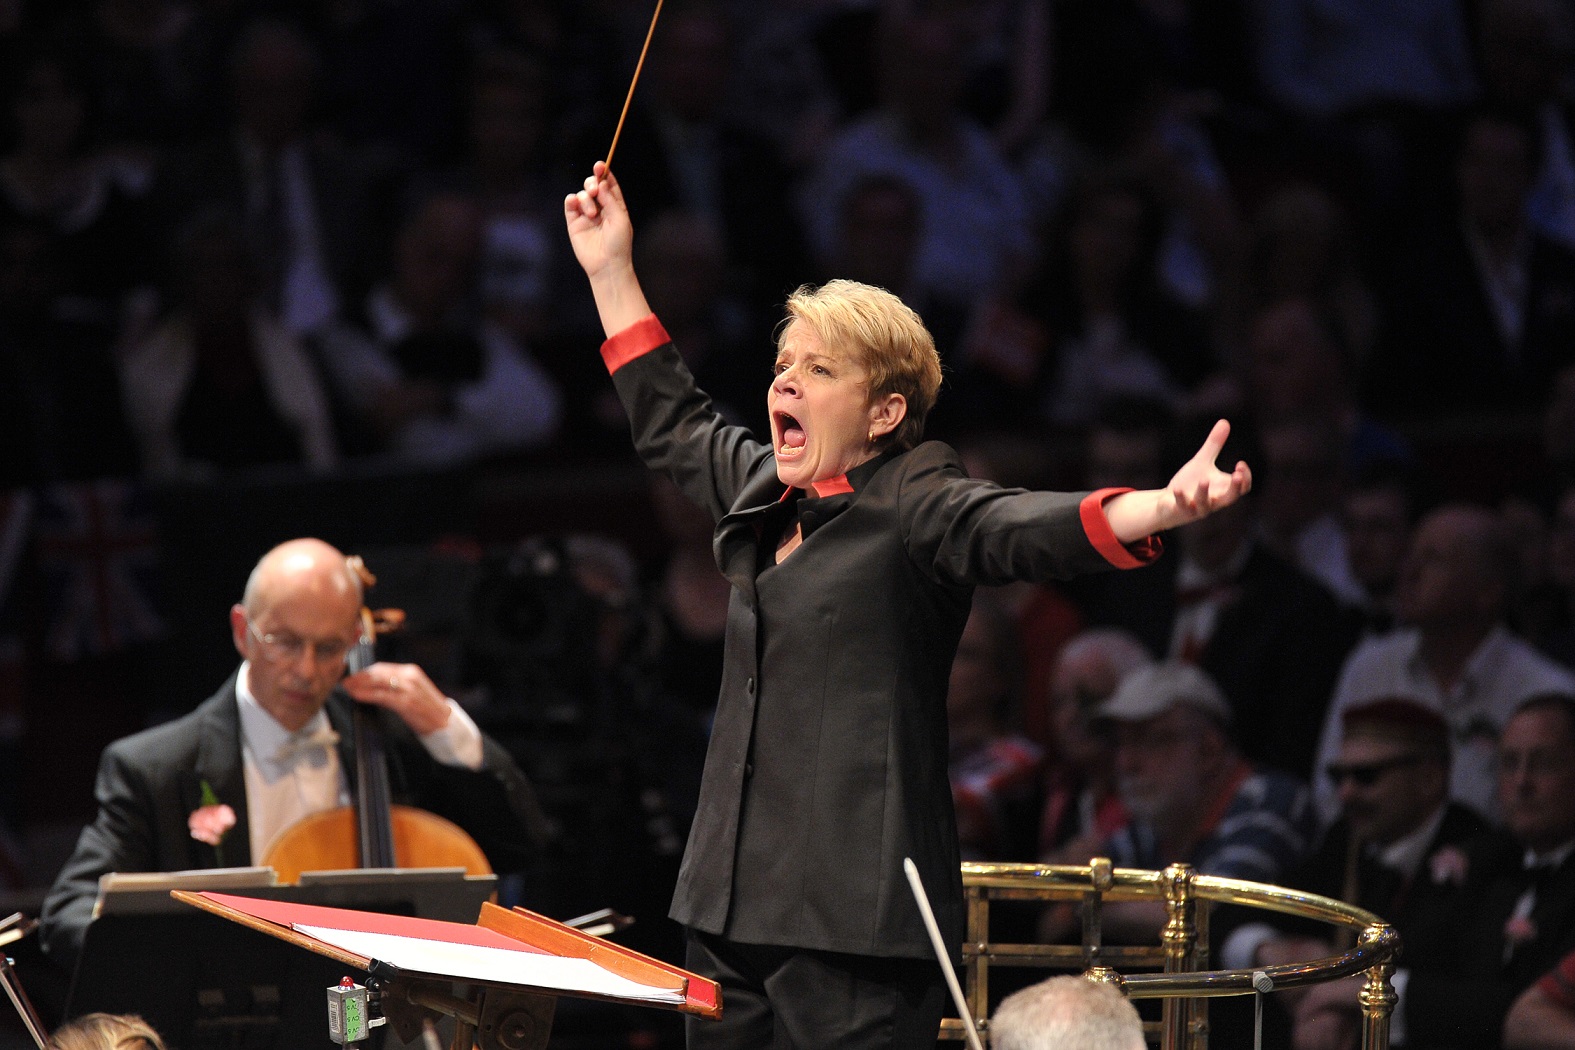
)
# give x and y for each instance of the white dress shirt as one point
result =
(286, 782)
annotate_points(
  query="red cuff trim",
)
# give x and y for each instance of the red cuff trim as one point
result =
(1097, 527)
(637, 340)
(832, 486)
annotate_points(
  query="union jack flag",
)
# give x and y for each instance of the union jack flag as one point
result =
(98, 563)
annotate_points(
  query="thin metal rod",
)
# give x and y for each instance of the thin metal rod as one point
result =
(19, 999)
(941, 952)
(630, 96)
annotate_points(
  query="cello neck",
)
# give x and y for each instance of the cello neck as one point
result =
(374, 822)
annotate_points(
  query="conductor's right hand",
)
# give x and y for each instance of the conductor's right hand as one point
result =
(599, 227)
(603, 240)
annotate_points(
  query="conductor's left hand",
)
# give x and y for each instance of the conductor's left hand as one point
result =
(1200, 487)
(1197, 490)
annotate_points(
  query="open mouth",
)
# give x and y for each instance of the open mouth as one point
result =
(791, 434)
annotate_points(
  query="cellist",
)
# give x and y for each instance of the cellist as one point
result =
(213, 788)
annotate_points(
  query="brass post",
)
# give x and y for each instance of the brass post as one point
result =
(1101, 877)
(978, 991)
(1177, 940)
(1377, 996)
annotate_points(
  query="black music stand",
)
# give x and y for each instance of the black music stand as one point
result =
(208, 984)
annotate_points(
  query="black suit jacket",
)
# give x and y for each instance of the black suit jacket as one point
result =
(828, 758)
(1423, 909)
(1444, 348)
(1459, 998)
(150, 782)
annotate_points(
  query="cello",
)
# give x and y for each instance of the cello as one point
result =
(373, 832)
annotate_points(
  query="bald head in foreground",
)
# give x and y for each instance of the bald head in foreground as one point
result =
(1067, 1013)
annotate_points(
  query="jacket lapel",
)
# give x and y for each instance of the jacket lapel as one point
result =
(221, 767)
(738, 533)
(737, 539)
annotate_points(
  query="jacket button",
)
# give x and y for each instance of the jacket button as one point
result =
(749, 686)
(749, 770)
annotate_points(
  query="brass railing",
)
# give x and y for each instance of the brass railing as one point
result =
(1176, 969)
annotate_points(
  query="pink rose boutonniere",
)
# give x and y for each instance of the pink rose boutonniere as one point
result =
(1448, 866)
(211, 821)
(1517, 931)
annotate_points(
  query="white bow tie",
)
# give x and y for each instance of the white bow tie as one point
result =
(306, 744)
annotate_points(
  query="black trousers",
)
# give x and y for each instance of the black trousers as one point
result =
(777, 998)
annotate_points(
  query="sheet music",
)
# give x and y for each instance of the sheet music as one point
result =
(477, 962)
(127, 891)
(246, 878)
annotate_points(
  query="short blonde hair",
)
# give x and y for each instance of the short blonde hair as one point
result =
(105, 1032)
(888, 337)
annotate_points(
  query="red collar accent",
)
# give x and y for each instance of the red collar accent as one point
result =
(832, 486)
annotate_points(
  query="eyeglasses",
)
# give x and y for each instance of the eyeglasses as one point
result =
(1539, 762)
(287, 648)
(1366, 774)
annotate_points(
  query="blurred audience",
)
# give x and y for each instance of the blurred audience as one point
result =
(1525, 50)
(426, 377)
(684, 149)
(1396, 850)
(1378, 512)
(1268, 634)
(221, 385)
(315, 210)
(1490, 318)
(974, 233)
(713, 327)
(507, 166)
(1109, 328)
(1302, 246)
(54, 176)
(1300, 484)
(1543, 1016)
(1454, 653)
(1126, 444)
(156, 66)
(1082, 806)
(1516, 918)
(1192, 795)
(995, 773)
(1554, 633)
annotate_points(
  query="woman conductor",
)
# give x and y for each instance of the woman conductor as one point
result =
(853, 551)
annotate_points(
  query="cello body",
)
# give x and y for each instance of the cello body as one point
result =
(327, 841)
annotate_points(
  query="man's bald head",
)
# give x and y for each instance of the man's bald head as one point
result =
(299, 616)
(1459, 567)
(296, 566)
